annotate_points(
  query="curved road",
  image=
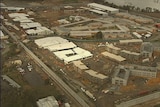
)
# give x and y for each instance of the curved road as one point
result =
(50, 73)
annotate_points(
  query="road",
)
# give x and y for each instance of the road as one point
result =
(50, 73)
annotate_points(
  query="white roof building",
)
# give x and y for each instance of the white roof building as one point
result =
(13, 15)
(64, 46)
(30, 25)
(74, 54)
(39, 31)
(49, 101)
(103, 7)
(49, 41)
(63, 49)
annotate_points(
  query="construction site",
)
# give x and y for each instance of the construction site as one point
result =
(108, 57)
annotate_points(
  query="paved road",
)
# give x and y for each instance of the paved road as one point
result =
(50, 73)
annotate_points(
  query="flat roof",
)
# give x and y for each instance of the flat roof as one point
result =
(113, 47)
(113, 56)
(13, 15)
(98, 11)
(80, 65)
(63, 46)
(96, 74)
(49, 41)
(30, 25)
(131, 41)
(131, 53)
(103, 7)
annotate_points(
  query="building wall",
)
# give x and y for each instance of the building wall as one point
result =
(143, 73)
(119, 81)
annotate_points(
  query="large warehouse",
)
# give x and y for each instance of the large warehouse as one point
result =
(142, 4)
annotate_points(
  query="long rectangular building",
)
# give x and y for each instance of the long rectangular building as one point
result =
(103, 8)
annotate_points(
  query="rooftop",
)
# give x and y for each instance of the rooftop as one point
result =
(96, 74)
(113, 56)
(49, 101)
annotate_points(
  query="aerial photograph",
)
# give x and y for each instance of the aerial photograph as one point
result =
(80, 53)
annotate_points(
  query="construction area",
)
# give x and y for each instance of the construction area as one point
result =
(107, 57)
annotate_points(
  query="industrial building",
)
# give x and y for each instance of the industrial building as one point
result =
(63, 49)
(95, 77)
(142, 71)
(103, 8)
(121, 75)
(147, 49)
(49, 101)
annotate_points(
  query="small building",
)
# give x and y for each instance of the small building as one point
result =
(49, 101)
(79, 67)
(120, 76)
(95, 77)
(146, 49)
